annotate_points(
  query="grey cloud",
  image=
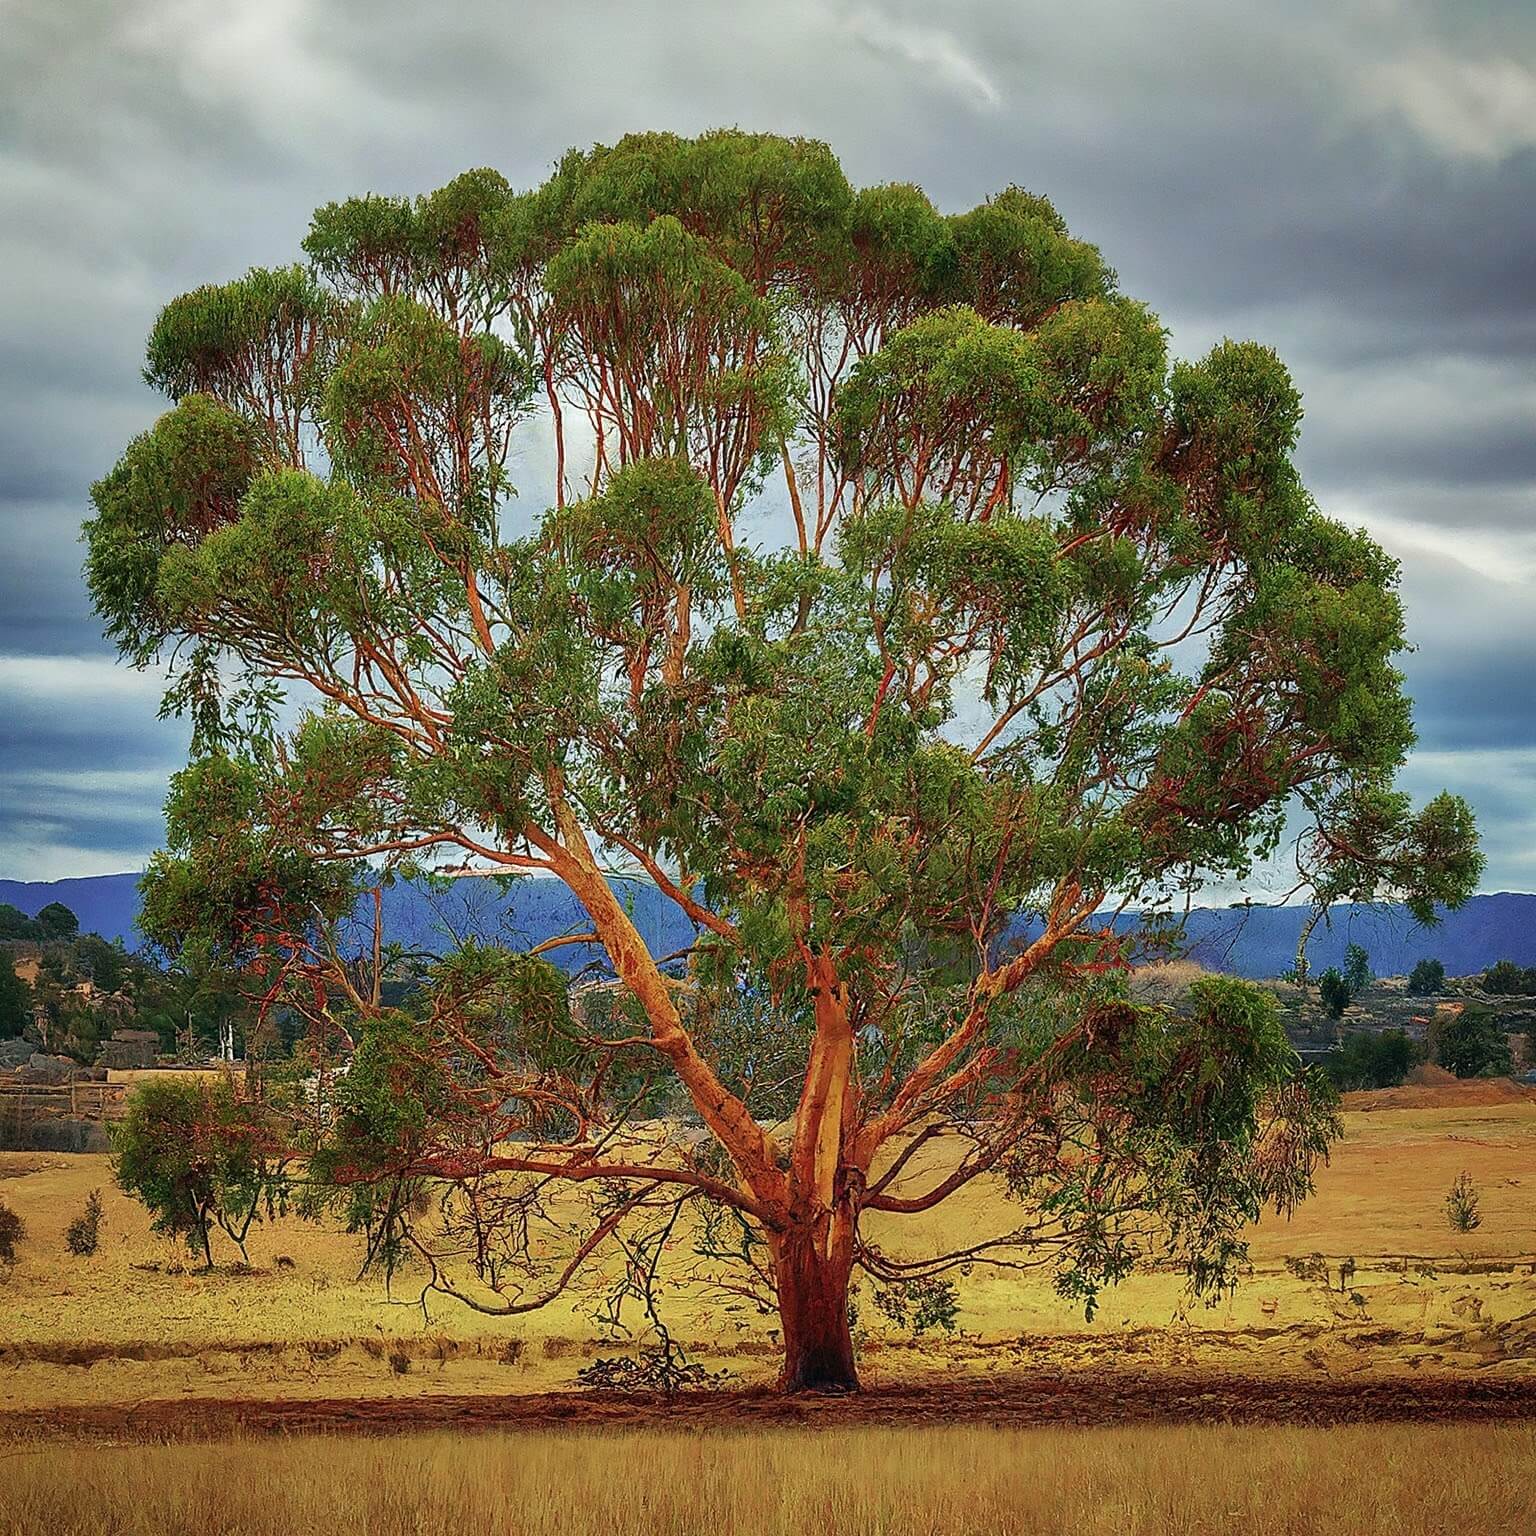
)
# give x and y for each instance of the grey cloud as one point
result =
(1353, 181)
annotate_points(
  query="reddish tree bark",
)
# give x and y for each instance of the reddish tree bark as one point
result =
(813, 1312)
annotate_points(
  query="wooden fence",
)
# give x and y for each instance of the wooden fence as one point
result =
(24, 1106)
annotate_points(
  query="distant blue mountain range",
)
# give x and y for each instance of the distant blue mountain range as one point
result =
(1252, 941)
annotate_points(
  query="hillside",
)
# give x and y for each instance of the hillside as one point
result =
(1251, 941)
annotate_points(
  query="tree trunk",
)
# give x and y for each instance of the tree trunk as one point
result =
(1301, 945)
(813, 1312)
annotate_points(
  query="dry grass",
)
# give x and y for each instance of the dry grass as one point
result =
(122, 1326)
(940, 1481)
(1166, 982)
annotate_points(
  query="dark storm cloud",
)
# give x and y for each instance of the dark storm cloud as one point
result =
(1354, 183)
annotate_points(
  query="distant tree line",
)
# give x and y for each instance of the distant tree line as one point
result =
(1506, 979)
(1471, 1042)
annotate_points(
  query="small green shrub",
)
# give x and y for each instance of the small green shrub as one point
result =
(1461, 1205)
(1334, 991)
(12, 1231)
(1375, 1060)
(83, 1235)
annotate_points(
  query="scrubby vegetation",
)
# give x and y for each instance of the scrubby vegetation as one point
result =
(83, 1235)
(12, 1232)
(1373, 1059)
(1472, 1043)
(1463, 1205)
(1506, 979)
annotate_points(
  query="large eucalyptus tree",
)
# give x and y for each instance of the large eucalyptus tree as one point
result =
(1052, 627)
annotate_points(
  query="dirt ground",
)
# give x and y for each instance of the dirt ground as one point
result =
(1455, 1315)
(1095, 1400)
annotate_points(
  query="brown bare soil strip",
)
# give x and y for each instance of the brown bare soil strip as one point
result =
(1079, 1401)
(1442, 1092)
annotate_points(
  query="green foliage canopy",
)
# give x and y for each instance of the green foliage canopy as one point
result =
(1507, 979)
(15, 1001)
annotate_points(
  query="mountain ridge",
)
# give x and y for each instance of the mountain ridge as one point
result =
(1244, 939)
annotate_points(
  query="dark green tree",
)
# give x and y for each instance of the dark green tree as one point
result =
(1506, 979)
(950, 712)
(56, 921)
(1473, 1043)
(1334, 992)
(15, 1000)
(1426, 979)
(104, 964)
(15, 924)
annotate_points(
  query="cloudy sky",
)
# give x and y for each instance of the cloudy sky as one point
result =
(1352, 181)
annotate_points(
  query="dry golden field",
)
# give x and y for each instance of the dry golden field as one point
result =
(131, 1323)
(130, 1347)
(1407, 1480)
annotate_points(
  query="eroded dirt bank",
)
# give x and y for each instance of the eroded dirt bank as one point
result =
(1077, 1400)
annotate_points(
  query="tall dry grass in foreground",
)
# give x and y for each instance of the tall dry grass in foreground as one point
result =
(941, 1482)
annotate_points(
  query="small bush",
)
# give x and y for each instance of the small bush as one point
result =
(1375, 1060)
(84, 1233)
(399, 1362)
(1461, 1205)
(1312, 1267)
(12, 1231)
